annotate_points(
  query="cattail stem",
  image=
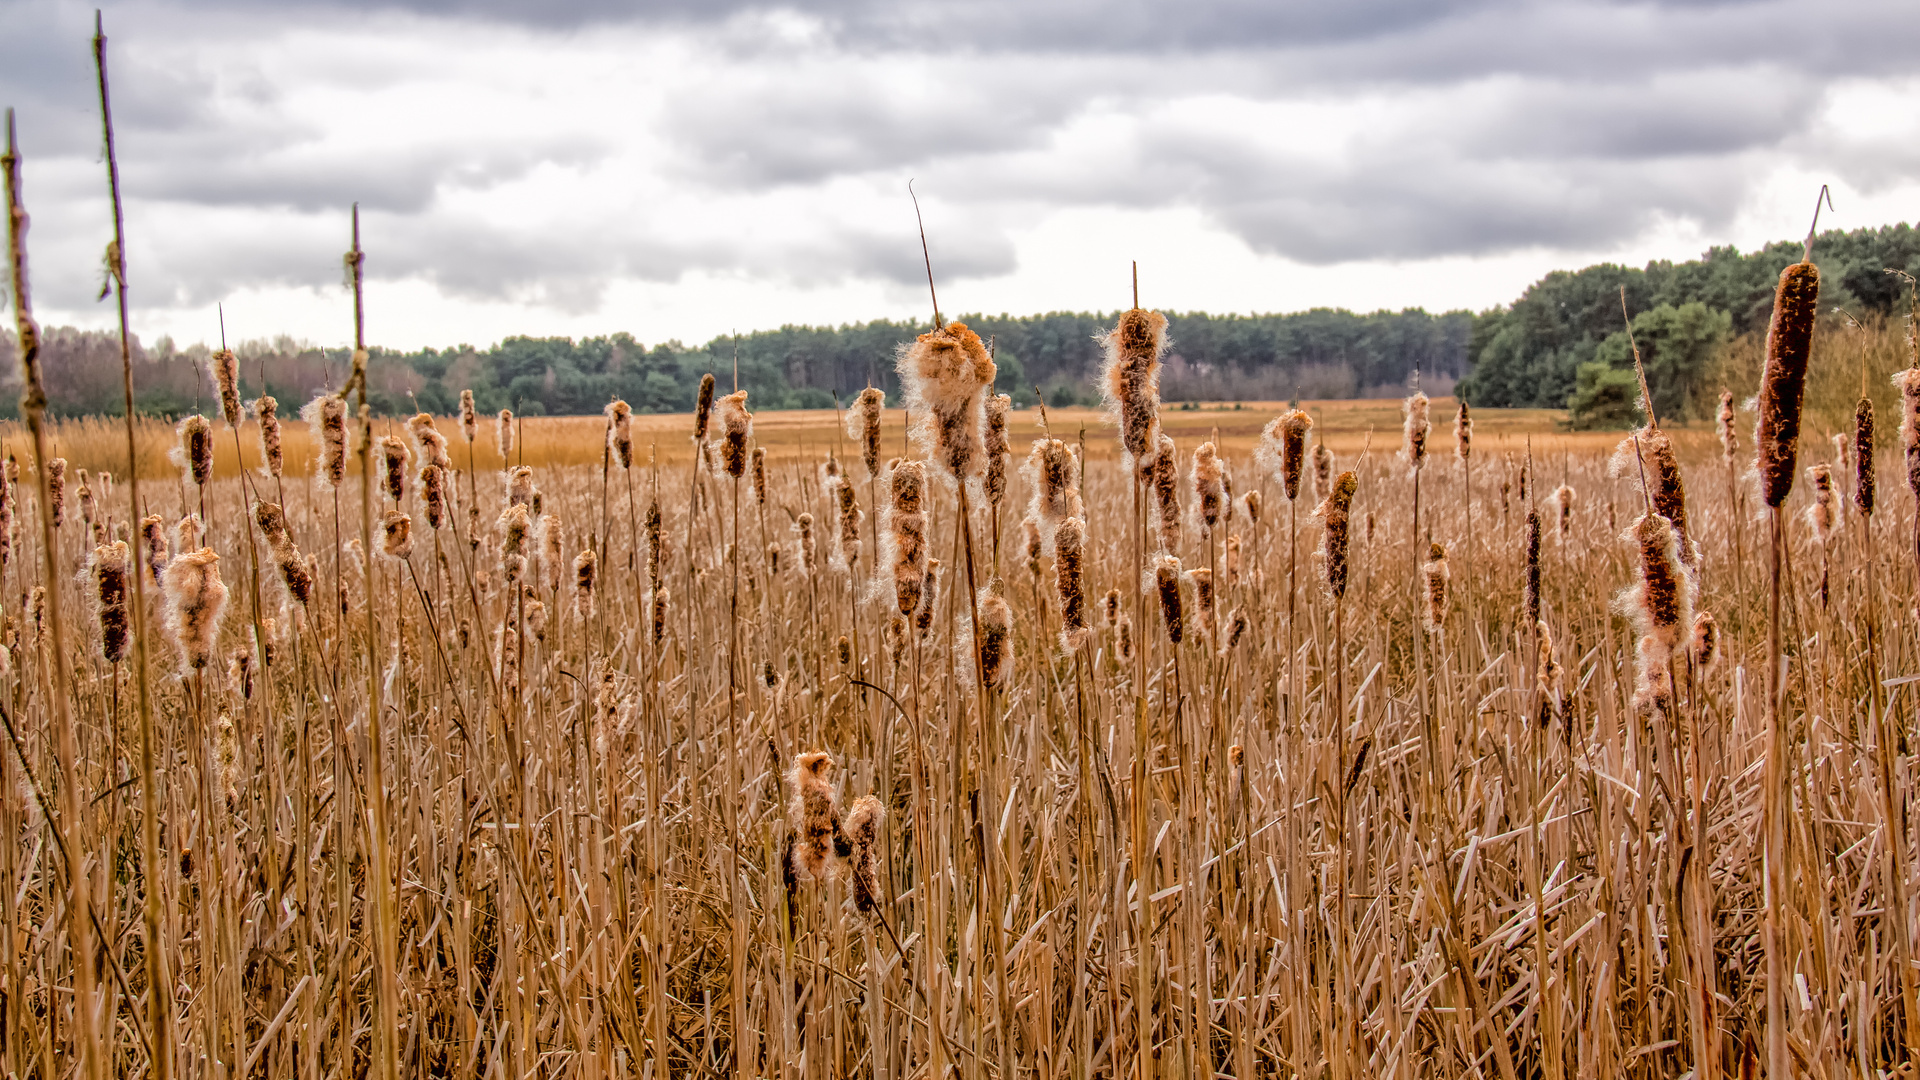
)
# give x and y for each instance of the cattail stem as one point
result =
(1775, 855)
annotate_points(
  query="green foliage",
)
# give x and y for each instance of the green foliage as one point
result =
(1681, 349)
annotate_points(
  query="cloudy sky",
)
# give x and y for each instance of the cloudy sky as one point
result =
(685, 167)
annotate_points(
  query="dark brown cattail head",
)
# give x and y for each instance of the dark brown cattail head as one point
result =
(620, 432)
(863, 423)
(995, 445)
(469, 417)
(736, 424)
(1069, 540)
(1322, 470)
(653, 545)
(1166, 494)
(430, 486)
(845, 649)
(1110, 608)
(1435, 576)
(266, 412)
(395, 460)
(194, 452)
(1863, 477)
(657, 612)
(1123, 638)
(586, 567)
(929, 596)
(703, 408)
(1796, 305)
(863, 834)
(272, 521)
(1336, 510)
(224, 368)
(1660, 603)
(905, 537)
(760, 475)
(1250, 506)
(110, 594)
(1202, 580)
(327, 416)
(503, 435)
(1413, 447)
(396, 535)
(1166, 584)
(943, 377)
(995, 636)
(1729, 436)
(846, 550)
(1032, 543)
(1531, 585)
(1237, 630)
(1283, 449)
(1130, 380)
(153, 541)
(1463, 434)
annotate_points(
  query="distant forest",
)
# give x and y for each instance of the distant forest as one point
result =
(1560, 345)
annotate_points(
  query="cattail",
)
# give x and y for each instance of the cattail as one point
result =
(266, 412)
(1166, 494)
(327, 415)
(585, 566)
(1206, 476)
(110, 595)
(84, 494)
(430, 487)
(1659, 603)
(395, 460)
(995, 635)
(396, 537)
(995, 445)
(703, 408)
(929, 596)
(773, 559)
(503, 435)
(845, 650)
(809, 551)
(1123, 638)
(1033, 543)
(760, 475)
(1530, 587)
(1130, 382)
(1548, 673)
(863, 423)
(1069, 538)
(1232, 561)
(1110, 608)
(813, 814)
(1863, 476)
(1166, 582)
(1282, 450)
(1413, 447)
(620, 432)
(1335, 511)
(1463, 434)
(1234, 634)
(1203, 600)
(863, 833)
(1322, 471)
(846, 550)
(1436, 575)
(293, 571)
(57, 491)
(943, 377)
(1796, 304)
(553, 558)
(224, 368)
(1560, 507)
(1705, 643)
(226, 762)
(1250, 506)
(1820, 514)
(1649, 453)
(1729, 437)
(1052, 474)
(195, 600)
(1526, 478)
(536, 615)
(469, 417)
(653, 545)
(736, 424)
(240, 672)
(657, 612)
(894, 638)
(187, 532)
(1908, 383)
(153, 540)
(519, 486)
(515, 524)
(904, 541)
(428, 443)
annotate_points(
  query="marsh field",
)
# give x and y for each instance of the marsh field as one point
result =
(490, 754)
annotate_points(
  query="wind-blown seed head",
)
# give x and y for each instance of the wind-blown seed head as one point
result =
(929, 596)
(995, 636)
(863, 833)
(519, 485)
(1729, 436)
(736, 424)
(1164, 580)
(1463, 434)
(266, 413)
(552, 548)
(1796, 306)
(995, 445)
(1863, 474)
(1069, 540)
(944, 375)
(1110, 608)
(1282, 450)
(1202, 580)
(1436, 575)
(193, 453)
(585, 567)
(1250, 506)
(469, 417)
(760, 475)
(1820, 512)
(1335, 511)
(1705, 642)
(84, 494)
(1207, 476)
(224, 368)
(396, 461)
(1165, 480)
(1660, 604)
(110, 596)
(1649, 452)
(1034, 544)
(813, 813)
(1908, 383)
(846, 548)
(1130, 380)
(396, 539)
(620, 432)
(1413, 446)
(1322, 471)
(503, 435)
(703, 408)
(153, 541)
(1559, 507)
(195, 600)
(188, 531)
(1052, 474)
(904, 539)
(327, 414)
(809, 548)
(515, 526)
(430, 487)
(863, 423)
(1232, 559)
(428, 443)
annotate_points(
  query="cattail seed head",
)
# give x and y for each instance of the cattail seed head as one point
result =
(1166, 494)
(226, 762)
(809, 548)
(863, 423)
(1413, 446)
(1820, 513)
(1723, 421)
(396, 536)
(845, 649)
(813, 813)
(1238, 629)
(240, 672)
(519, 485)
(515, 525)
(995, 445)
(620, 432)
(430, 487)
(1033, 544)
(1863, 475)
(1908, 383)
(195, 600)
(1531, 585)
(1547, 673)
(943, 377)
(1796, 305)
(193, 453)
(773, 559)
(1436, 575)
(736, 424)
(760, 475)
(428, 443)
(469, 417)
(1110, 608)
(1250, 506)
(1559, 506)
(1207, 478)
(1052, 474)
(110, 596)
(187, 532)
(224, 369)
(153, 541)
(1322, 471)
(653, 545)
(585, 566)
(995, 636)
(657, 612)
(904, 540)
(1335, 511)
(1463, 434)
(1130, 382)
(266, 412)
(929, 596)
(84, 494)
(395, 459)
(846, 549)
(1123, 638)
(863, 833)
(703, 408)
(1660, 603)
(1649, 453)
(1282, 451)
(1705, 642)
(1232, 560)
(503, 435)
(1166, 584)
(1069, 540)
(551, 547)
(1202, 580)
(327, 415)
